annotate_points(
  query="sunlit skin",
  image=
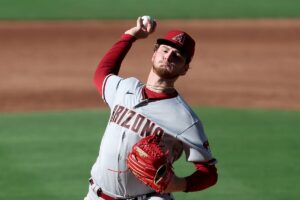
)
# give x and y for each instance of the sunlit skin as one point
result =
(168, 62)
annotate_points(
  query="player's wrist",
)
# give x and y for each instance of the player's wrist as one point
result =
(133, 32)
(128, 37)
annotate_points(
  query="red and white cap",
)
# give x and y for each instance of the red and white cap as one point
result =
(181, 41)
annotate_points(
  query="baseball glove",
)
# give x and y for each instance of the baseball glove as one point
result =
(150, 164)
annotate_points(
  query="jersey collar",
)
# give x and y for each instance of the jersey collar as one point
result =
(149, 94)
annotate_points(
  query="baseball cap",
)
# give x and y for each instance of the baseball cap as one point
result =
(181, 41)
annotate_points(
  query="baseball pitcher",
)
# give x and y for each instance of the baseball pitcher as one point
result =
(150, 125)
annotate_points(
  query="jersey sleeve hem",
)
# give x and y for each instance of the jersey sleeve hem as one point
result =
(103, 87)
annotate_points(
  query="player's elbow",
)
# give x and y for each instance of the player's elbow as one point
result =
(210, 172)
(213, 177)
(205, 177)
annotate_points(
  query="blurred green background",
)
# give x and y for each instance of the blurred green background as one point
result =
(49, 155)
(130, 9)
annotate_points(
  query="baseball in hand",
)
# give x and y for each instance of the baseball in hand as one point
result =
(147, 19)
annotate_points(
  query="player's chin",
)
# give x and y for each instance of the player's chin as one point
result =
(165, 73)
(167, 67)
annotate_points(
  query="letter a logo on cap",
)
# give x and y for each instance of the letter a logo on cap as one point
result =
(179, 38)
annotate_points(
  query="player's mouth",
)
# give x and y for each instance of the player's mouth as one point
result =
(167, 65)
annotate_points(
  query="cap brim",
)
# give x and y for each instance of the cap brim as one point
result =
(170, 43)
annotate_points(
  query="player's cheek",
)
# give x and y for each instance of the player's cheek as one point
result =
(155, 59)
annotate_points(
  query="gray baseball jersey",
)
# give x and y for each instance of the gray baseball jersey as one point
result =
(132, 118)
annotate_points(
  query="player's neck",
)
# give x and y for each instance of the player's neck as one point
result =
(157, 84)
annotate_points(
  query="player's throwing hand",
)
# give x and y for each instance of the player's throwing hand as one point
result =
(142, 29)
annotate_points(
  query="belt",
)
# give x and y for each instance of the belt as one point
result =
(98, 191)
(104, 196)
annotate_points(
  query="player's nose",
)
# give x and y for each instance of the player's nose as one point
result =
(168, 55)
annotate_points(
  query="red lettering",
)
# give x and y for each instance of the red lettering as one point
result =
(113, 114)
(123, 114)
(117, 113)
(125, 123)
(147, 129)
(137, 123)
(124, 117)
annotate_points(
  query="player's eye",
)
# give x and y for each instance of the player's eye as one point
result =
(164, 50)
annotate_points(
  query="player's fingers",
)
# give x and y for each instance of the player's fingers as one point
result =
(149, 27)
(142, 27)
(139, 22)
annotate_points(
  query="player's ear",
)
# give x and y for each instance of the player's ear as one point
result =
(155, 47)
(185, 68)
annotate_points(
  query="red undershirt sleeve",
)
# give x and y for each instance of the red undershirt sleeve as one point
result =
(204, 177)
(111, 62)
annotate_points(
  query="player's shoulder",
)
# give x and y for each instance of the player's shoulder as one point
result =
(131, 80)
(121, 82)
(185, 109)
(130, 83)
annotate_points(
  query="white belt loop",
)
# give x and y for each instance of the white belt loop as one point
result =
(94, 186)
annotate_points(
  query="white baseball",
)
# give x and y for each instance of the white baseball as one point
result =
(147, 19)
